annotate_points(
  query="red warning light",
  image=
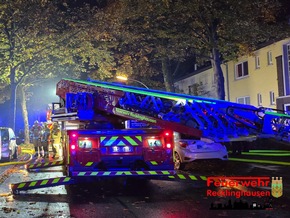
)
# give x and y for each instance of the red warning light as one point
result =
(167, 133)
(168, 145)
(73, 147)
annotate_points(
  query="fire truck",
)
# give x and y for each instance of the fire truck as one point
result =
(101, 139)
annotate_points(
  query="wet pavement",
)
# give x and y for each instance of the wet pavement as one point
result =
(138, 198)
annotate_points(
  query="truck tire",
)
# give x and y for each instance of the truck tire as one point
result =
(178, 165)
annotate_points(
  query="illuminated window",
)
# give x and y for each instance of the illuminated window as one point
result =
(242, 70)
(257, 62)
(243, 100)
(272, 98)
(259, 99)
(269, 58)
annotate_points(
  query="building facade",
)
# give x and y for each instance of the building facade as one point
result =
(261, 79)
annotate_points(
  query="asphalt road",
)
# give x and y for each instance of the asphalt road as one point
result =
(120, 198)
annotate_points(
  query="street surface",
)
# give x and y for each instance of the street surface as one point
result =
(120, 198)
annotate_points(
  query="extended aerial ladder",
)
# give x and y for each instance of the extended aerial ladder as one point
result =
(200, 117)
(221, 121)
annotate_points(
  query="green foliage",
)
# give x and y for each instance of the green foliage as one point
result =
(41, 40)
(172, 31)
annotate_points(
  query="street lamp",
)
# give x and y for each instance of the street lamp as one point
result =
(125, 79)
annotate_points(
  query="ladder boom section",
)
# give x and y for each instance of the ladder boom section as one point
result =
(192, 115)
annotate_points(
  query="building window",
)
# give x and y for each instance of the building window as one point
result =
(259, 99)
(242, 70)
(269, 58)
(257, 61)
(192, 89)
(243, 100)
(287, 108)
(272, 97)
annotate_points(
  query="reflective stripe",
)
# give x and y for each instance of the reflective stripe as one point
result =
(120, 140)
(121, 143)
(55, 180)
(44, 182)
(124, 173)
(43, 165)
(89, 164)
(32, 184)
(181, 176)
(203, 178)
(41, 183)
(130, 140)
(21, 185)
(139, 138)
(66, 179)
(153, 162)
(192, 177)
(187, 177)
(110, 141)
(165, 172)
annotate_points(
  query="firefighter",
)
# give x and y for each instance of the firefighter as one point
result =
(55, 138)
(45, 138)
(36, 135)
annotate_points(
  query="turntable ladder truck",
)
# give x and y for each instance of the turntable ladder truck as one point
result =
(96, 144)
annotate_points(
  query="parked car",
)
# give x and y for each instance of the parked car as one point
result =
(188, 150)
(8, 146)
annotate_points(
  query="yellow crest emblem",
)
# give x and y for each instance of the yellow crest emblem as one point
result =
(277, 187)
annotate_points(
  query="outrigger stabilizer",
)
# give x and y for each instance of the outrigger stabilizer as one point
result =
(90, 176)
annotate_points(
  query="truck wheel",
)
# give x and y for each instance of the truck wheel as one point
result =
(178, 165)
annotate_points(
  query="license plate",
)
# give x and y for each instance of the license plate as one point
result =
(123, 149)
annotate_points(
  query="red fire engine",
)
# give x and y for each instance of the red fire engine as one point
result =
(96, 142)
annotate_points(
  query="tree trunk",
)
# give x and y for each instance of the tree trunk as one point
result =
(13, 86)
(168, 77)
(218, 73)
(24, 114)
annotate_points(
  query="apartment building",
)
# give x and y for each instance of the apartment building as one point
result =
(261, 79)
